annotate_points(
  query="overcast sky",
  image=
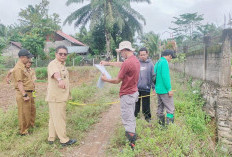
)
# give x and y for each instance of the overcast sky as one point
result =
(158, 14)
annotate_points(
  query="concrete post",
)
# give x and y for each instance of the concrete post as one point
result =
(36, 63)
(225, 72)
(206, 40)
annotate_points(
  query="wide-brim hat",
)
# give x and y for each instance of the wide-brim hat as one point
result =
(125, 45)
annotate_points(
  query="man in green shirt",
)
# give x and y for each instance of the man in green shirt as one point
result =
(163, 87)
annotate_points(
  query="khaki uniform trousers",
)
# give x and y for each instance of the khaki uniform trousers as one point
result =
(26, 112)
(57, 124)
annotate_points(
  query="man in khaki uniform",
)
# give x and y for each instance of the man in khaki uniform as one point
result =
(58, 93)
(24, 86)
(29, 69)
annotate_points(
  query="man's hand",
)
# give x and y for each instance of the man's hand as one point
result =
(26, 98)
(104, 78)
(153, 92)
(61, 84)
(170, 93)
(104, 63)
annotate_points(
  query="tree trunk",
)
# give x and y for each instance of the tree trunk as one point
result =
(108, 50)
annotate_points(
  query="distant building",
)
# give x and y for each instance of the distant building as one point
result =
(81, 50)
(60, 38)
(52, 41)
(12, 49)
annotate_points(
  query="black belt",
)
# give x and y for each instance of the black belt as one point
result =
(29, 91)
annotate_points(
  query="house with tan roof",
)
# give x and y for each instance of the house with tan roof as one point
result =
(12, 49)
(60, 38)
(52, 41)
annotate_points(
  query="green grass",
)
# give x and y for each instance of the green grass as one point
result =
(191, 135)
(41, 73)
(41, 81)
(79, 121)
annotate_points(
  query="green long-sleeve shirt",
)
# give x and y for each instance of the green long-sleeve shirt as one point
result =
(163, 80)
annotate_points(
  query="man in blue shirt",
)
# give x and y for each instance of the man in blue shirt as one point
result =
(145, 84)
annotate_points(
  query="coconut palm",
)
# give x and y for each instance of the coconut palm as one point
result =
(151, 42)
(111, 12)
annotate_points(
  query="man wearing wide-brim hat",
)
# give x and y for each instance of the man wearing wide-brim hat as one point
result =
(129, 76)
(24, 86)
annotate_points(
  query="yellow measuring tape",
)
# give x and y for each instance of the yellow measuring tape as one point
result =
(115, 102)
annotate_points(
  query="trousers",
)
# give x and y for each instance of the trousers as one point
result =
(26, 112)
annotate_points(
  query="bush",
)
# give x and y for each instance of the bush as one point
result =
(41, 73)
(51, 54)
(77, 59)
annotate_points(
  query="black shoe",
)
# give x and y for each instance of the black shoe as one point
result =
(162, 120)
(170, 120)
(148, 120)
(132, 145)
(70, 142)
(132, 138)
(50, 142)
(23, 134)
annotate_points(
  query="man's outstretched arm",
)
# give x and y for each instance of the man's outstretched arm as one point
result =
(115, 64)
(113, 81)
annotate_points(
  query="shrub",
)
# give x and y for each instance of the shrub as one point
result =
(41, 73)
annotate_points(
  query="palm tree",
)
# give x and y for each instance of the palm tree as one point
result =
(151, 42)
(111, 12)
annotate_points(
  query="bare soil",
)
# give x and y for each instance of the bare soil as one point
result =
(96, 141)
(7, 91)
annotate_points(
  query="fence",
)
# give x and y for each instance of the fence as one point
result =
(198, 45)
(210, 61)
(9, 62)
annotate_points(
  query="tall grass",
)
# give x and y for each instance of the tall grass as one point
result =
(41, 73)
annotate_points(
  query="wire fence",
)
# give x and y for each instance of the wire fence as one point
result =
(11, 62)
(200, 44)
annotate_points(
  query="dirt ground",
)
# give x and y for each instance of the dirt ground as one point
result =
(7, 91)
(98, 138)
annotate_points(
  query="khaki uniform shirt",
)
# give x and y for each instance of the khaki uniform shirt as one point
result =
(31, 71)
(20, 73)
(54, 93)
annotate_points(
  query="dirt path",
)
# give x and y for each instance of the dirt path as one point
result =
(96, 141)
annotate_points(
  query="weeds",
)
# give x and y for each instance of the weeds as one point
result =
(41, 73)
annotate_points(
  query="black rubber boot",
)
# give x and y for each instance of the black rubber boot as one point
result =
(162, 120)
(132, 138)
(170, 120)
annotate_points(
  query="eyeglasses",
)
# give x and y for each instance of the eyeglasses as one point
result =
(63, 54)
